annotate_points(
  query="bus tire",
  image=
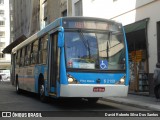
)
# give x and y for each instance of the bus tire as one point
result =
(18, 90)
(157, 92)
(42, 96)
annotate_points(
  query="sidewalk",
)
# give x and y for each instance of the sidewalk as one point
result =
(146, 102)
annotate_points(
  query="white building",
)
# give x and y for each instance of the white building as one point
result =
(142, 25)
(4, 34)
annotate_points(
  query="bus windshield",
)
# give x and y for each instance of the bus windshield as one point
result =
(95, 50)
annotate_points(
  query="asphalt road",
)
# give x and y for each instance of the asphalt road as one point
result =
(11, 101)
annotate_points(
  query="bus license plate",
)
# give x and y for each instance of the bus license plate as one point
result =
(98, 89)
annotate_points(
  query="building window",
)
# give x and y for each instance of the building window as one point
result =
(2, 34)
(1, 12)
(2, 23)
(1, 1)
(64, 13)
(45, 10)
(78, 8)
(2, 44)
(2, 55)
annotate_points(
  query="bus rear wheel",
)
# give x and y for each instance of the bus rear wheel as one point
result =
(42, 92)
(18, 90)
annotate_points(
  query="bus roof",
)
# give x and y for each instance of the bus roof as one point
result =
(72, 23)
(81, 18)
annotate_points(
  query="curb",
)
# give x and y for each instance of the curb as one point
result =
(132, 103)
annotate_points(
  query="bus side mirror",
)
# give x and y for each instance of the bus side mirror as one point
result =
(60, 39)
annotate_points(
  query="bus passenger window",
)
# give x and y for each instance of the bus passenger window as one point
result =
(17, 58)
(27, 55)
(22, 57)
(43, 49)
(39, 52)
(34, 53)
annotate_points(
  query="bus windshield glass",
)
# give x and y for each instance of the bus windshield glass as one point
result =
(95, 50)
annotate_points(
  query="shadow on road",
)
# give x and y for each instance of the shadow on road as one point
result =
(27, 100)
(68, 103)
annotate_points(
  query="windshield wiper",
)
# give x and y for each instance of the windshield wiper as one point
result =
(107, 50)
(108, 43)
(115, 45)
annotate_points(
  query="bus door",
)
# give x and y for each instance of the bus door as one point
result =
(53, 64)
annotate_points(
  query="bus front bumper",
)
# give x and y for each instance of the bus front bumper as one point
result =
(82, 90)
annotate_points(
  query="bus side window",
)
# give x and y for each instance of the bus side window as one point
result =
(27, 54)
(43, 50)
(22, 57)
(34, 53)
(40, 51)
(18, 58)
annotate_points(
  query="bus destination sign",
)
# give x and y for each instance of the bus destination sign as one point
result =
(87, 25)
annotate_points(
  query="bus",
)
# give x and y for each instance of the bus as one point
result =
(73, 57)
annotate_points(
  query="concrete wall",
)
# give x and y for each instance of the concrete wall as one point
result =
(52, 9)
(73, 7)
(25, 15)
(29, 15)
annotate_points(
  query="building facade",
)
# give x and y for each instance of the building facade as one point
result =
(53, 9)
(25, 21)
(4, 34)
(25, 18)
(29, 16)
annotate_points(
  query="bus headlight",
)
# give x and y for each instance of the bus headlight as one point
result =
(71, 80)
(121, 81)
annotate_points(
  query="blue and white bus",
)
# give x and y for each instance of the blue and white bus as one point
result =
(78, 57)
